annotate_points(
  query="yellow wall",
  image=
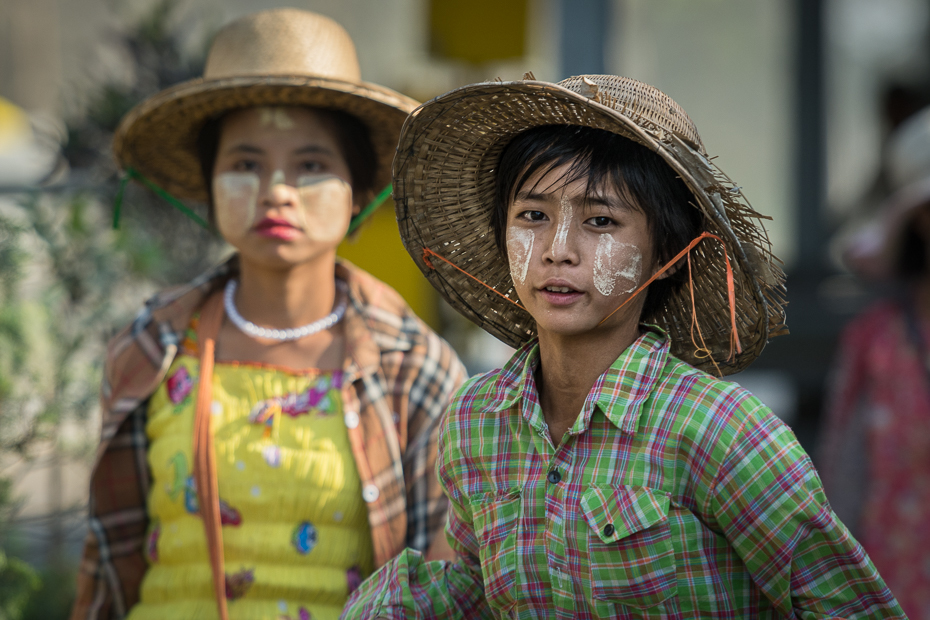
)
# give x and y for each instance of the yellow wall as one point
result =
(378, 250)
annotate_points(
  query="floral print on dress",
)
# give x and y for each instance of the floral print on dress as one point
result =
(151, 542)
(304, 538)
(179, 385)
(353, 579)
(184, 482)
(239, 583)
(314, 398)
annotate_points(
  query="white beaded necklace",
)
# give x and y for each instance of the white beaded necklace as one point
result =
(282, 335)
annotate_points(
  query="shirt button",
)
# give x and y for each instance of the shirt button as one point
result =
(370, 493)
(351, 419)
(554, 476)
(609, 529)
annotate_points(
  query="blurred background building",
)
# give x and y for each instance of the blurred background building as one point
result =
(793, 97)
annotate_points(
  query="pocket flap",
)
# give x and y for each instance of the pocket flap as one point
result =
(617, 512)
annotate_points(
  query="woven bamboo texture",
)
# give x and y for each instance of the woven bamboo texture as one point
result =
(444, 183)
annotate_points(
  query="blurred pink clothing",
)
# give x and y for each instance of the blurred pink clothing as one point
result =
(875, 457)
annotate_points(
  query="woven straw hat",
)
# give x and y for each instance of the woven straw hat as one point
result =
(871, 249)
(444, 184)
(284, 57)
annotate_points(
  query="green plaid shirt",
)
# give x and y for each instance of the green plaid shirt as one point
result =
(674, 495)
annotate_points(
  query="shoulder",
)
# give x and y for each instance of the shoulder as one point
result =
(136, 355)
(390, 320)
(712, 412)
(410, 352)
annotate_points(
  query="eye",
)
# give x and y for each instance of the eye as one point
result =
(601, 221)
(312, 166)
(532, 216)
(245, 165)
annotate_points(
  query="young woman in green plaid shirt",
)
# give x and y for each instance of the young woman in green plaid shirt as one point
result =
(605, 471)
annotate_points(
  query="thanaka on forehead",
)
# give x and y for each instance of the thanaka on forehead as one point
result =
(276, 116)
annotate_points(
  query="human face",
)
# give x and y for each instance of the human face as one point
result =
(574, 258)
(282, 190)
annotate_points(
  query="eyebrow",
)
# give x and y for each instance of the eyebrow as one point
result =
(594, 199)
(304, 150)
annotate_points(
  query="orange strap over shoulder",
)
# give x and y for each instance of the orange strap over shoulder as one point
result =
(211, 317)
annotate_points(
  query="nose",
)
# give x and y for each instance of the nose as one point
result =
(562, 246)
(278, 192)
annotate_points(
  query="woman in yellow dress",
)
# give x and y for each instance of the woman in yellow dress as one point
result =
(269, 429)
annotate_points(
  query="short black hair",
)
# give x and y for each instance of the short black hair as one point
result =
(353, 138)
(605, 159)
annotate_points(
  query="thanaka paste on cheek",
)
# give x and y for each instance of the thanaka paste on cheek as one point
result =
(275, 117)
(235, 196)
(617, 266)
(519, 251)
(325, 207)
(564, 223)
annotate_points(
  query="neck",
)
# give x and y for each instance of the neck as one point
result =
(289, 297)
(569, 366)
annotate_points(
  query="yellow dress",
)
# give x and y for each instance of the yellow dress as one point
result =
(295, 528)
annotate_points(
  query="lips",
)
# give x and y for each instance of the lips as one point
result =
(276, 228)
(559, 292)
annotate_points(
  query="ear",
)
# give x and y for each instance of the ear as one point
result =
(671, 270)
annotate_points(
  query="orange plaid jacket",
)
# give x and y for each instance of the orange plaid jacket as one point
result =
(400, 377)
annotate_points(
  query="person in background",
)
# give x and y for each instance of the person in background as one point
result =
(269, 430)
(875, 440)
(604, 471)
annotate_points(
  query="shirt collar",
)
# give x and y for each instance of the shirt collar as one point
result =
(619, 392)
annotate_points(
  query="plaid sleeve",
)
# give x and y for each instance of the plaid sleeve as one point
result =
(113, 564)
(768, 500)
(409, 587)
(433, 373)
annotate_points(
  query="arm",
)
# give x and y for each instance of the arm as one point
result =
(411, 587)
(433, 378)
(113, 564)
(769, 503)
(841, 456)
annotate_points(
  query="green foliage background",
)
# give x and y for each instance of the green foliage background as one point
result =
(67, 281)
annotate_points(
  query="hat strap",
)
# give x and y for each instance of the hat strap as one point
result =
(368, 210)
(132, 173)
(428, 252)
(731, 296)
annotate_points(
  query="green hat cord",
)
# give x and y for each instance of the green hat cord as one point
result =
(132, 173)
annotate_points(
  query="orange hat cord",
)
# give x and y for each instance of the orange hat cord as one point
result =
(428, 252)
(702, 351)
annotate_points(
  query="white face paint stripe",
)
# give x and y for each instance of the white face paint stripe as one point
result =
(603, 257)
(614, 263)
(236, 197)
(563, 225)
(277, 178)
(519, 250)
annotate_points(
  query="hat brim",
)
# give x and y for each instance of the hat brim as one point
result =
(444, 187)
(159, 136)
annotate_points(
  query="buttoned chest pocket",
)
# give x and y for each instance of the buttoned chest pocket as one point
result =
(495, 518)
(630, 551)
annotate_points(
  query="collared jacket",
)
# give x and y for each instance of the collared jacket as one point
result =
(399, 378)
